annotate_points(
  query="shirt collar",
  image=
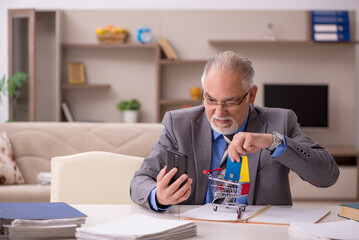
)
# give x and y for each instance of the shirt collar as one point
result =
(241, 129)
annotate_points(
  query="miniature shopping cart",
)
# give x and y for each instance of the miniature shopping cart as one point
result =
(226, 191)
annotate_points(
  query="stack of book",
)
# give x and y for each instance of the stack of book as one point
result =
(330, 26)
(39, 220)
(350, 211)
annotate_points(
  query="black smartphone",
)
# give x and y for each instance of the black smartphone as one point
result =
(178, 160)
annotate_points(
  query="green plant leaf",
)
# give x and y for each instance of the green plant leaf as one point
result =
(128, 105)
(16, 81)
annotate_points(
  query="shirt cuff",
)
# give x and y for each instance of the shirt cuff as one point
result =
(153, 202)
(280, 149)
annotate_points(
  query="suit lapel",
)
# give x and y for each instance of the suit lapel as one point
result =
(202, 147)
(254, 125)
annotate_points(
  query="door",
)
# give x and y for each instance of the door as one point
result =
(21, 33)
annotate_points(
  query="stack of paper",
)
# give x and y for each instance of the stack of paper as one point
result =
(39, 220)
(139, 226)
(332, 230)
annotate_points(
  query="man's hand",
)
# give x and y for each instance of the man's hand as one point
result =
(170, 194)
(245, 142)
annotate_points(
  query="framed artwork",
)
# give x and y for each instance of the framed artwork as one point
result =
(76, 73)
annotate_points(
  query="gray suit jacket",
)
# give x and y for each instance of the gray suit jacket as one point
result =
(189, 132)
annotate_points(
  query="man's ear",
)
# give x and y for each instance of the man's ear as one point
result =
(253, 94)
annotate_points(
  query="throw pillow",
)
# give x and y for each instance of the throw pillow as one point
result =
(9, 171)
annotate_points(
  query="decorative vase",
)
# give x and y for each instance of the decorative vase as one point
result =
(195, 93)
(130, 116)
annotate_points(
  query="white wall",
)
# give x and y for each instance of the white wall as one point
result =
(166, 4)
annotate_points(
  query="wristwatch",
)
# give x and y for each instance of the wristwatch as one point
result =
(277, 140)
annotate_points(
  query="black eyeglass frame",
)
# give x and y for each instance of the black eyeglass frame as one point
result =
(227, 103)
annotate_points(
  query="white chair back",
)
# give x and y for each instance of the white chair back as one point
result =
(93, 178)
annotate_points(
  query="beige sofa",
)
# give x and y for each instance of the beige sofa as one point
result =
(35, 143)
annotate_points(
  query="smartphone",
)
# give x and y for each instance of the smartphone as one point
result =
(178, 160)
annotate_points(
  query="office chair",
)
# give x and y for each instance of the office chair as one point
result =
(93, 178)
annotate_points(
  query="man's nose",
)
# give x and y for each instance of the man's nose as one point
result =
(220, 109)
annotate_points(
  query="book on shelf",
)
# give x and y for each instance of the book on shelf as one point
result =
(67, 112)
(350, 211)
(167, 49)
(330, 26)
(257, 214)
(35, 220)
(139, 226)
(331, 37)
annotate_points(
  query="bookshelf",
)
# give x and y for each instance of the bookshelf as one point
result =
(168, 69)
(85, 86)
(108, 45)
(99, 59)
(277, 42)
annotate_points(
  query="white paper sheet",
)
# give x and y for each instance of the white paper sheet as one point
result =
(348, 229)
(287, 215)
(273, 215)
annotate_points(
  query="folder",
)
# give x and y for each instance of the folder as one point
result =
(38, 210)
(275, 215)
(39, 220)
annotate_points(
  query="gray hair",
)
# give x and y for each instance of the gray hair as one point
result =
(230, 63)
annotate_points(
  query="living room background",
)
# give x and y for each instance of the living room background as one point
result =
(190, 5)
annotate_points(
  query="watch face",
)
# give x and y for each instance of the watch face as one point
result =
(144, 35)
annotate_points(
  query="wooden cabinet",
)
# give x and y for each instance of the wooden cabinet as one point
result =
(345, 189)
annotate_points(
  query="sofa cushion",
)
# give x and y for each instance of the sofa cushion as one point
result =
(25, 193)
(9, 171)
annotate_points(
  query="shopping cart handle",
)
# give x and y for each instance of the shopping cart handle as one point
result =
(217, 169)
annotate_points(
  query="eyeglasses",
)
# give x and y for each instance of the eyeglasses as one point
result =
(226, 104)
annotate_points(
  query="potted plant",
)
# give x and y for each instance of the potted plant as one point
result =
(130, 109)
(9, 87)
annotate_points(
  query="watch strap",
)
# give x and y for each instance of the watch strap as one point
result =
(277, 140)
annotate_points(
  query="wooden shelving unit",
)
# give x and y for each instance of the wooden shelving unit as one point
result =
(85, 86)
(166, 103)
(277, 42)
(107, 45)
(182, 61)
(179, 102)
(343, 151)
(88, 47)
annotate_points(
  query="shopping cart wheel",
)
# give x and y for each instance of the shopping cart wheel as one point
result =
(243, 208)
(239, 213)
(214, 208)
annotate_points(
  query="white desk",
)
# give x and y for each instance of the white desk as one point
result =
(205, 230)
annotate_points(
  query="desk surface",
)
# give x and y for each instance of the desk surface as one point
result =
(98, 214)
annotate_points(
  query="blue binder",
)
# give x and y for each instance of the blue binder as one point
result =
(330, 26)
(336, 13)
(38, 210)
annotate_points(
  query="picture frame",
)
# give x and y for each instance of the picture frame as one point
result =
(76, 73)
